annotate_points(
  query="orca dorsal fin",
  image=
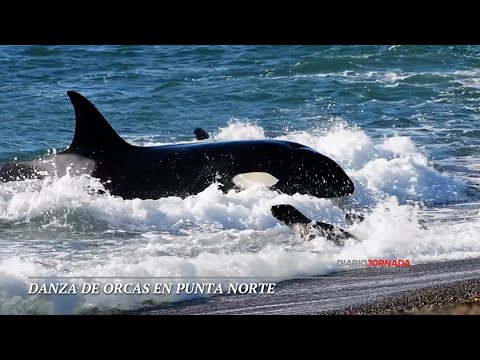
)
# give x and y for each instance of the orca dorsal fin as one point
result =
(93, 133)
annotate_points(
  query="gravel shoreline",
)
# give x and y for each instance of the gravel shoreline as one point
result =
(457, 298)
(441, 287)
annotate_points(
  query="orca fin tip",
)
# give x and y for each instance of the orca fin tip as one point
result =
(74, 95)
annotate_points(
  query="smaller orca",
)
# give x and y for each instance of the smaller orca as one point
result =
(201, 134)
(308, 228)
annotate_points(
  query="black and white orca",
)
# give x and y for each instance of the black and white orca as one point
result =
(182, 170)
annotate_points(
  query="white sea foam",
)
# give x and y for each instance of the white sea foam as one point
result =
(467, 78)
(238, 130)
(212, 234)
(471, 83)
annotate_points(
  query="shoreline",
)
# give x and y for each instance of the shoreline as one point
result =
(455, 298)
(357, 291)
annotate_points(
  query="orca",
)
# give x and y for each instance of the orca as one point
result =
(308, 228)
(181, 170)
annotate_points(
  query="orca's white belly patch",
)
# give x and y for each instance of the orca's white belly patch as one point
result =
(247, 180)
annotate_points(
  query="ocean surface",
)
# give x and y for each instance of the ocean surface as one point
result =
(402, 121)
